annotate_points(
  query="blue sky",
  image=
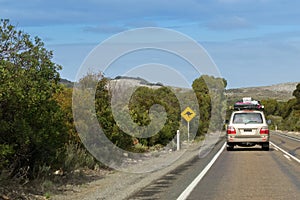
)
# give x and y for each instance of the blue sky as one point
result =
(252, 42)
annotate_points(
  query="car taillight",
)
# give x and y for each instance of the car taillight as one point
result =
(264, 130)
(231, 130)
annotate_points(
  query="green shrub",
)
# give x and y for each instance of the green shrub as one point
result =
(77, 157)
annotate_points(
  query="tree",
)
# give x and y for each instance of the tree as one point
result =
(296, 92)
(212, 105)
(293, 119)
(105, 116)
(140, 104)
(270, 106)
(290, 112)
(204, 101)
(31, 125)
(64, 99)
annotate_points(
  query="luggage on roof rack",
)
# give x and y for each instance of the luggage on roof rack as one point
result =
(248, 104)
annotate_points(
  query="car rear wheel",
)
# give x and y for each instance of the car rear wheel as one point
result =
(229, 147)
(265, 146)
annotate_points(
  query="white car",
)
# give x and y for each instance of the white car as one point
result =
(247, 128)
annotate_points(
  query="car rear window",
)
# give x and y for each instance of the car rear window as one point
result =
(247, 118)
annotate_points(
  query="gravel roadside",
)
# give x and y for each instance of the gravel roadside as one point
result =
(120, 184)
(290, 133)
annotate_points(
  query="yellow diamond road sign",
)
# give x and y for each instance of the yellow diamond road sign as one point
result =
(188, 114)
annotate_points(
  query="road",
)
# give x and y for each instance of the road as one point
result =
(245, 173)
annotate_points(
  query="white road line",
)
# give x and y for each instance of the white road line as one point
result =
(287, 157)
(285, 152)
(190, 188)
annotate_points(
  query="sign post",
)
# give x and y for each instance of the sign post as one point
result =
(178, 140)
(188, 114)
(188, 127)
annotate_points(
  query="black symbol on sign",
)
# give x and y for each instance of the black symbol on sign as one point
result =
(188, 113)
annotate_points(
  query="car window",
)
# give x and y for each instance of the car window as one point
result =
(247, 118)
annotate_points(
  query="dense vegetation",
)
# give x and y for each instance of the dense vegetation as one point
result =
(212, 103)
(284, 115)
(29, 115)
(37, 135)
(139, 105)
(141, 102)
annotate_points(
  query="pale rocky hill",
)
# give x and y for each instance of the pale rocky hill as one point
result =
(281, 92)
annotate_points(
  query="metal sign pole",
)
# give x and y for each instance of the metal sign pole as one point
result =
(178, 140)
(188, 132)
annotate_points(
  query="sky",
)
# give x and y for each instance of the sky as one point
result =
(251, 42)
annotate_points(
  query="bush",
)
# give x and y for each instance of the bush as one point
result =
(31, 125)
(77, 157)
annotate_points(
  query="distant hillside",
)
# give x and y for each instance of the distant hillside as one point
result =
(67, 83)
(136, 81)
(281, 92)
(120, 83)
(123, 80)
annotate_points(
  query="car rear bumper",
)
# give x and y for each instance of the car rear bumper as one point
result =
(234, 139)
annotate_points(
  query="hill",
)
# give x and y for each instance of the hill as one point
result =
(280, 92)
(67, 83)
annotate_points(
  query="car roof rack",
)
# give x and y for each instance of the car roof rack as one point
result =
(247, 103)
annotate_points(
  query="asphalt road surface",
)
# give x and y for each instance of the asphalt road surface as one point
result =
(245, 173)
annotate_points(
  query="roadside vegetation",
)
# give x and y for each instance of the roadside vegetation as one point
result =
(284, 115)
